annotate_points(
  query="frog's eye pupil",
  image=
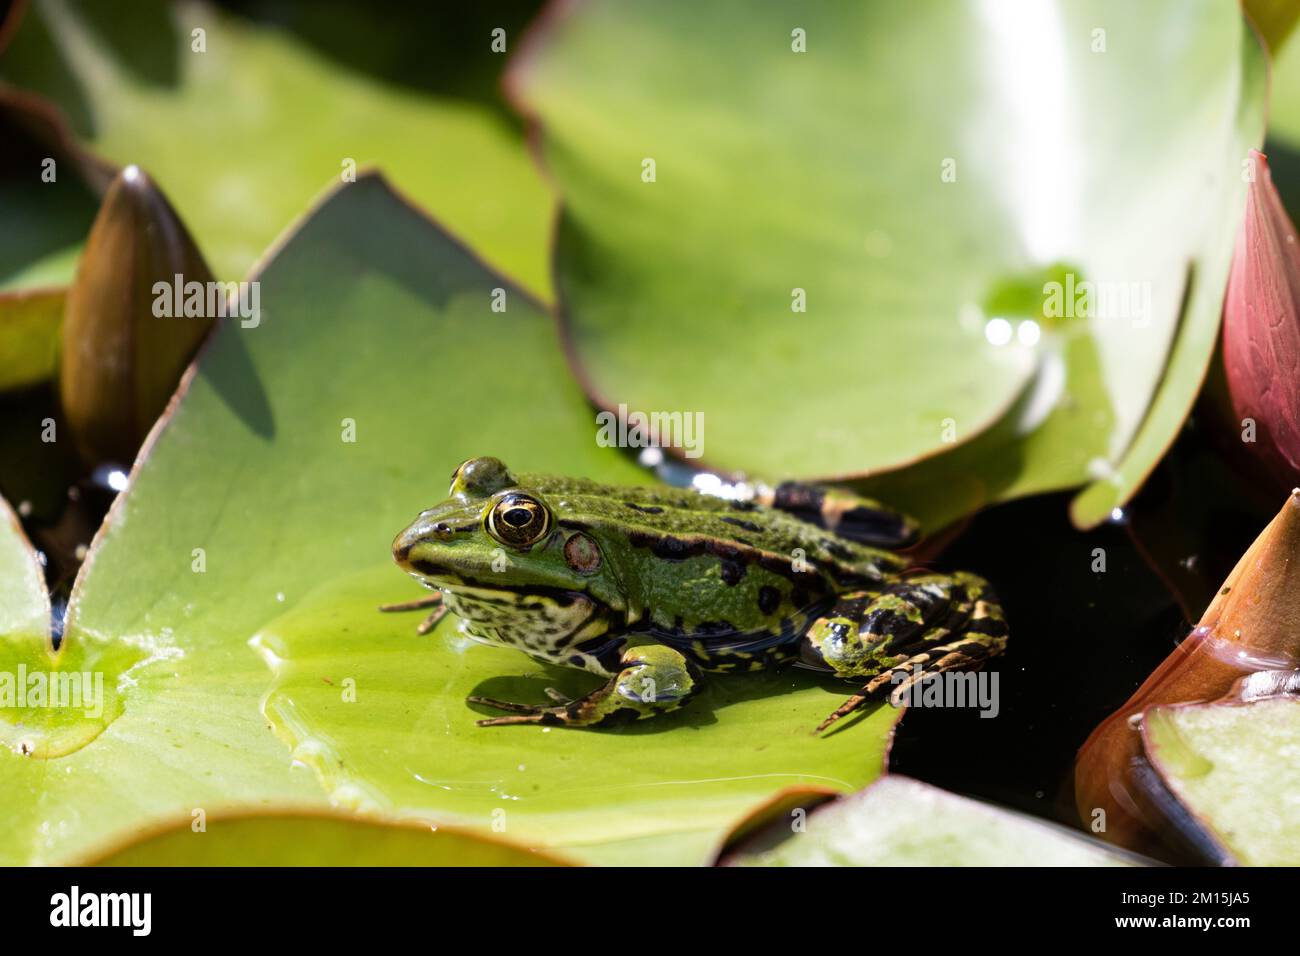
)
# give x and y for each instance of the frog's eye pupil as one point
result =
(517, 517)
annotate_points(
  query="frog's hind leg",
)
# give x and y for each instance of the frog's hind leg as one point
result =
(924, 625)
(434, 601)
(651, 680)
(844, 513)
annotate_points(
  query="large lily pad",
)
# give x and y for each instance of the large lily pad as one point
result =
(1236, 767)
(242, 134)
(289, 838)
(230, 599)
(902, 822)
(824, 170)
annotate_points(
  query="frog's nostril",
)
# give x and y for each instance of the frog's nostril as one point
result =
(422, 532)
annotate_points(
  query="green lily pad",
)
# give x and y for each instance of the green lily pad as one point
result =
(664, 791)
(296, 838)
(832, 171)
(242, 135)
(898, 821)
(50, 701)
(24, 605)
(239, 573)
(1236, 767)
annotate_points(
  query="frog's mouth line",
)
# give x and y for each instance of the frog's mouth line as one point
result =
(444, 579)
(421, 568)
(516, 596)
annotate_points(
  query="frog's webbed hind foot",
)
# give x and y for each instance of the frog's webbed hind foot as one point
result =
(913, 630)
(652, 680)
(959, 655)
(434, 601)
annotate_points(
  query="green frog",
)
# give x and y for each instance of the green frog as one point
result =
(650, 588)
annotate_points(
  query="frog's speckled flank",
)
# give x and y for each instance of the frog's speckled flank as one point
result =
(649, 587)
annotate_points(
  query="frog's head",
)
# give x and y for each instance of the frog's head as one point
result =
(505, 563)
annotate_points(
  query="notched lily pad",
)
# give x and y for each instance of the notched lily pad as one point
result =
(889, 170)
(263, 510)
(51, 702)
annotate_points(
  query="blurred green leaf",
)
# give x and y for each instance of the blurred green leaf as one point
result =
(1284, 105)
(29, 337)
(1274, 19)
(902, 822)
(297, 838)
(1236, 767)
(245, 133)
(824, 171)
(47, 202)
(252, 527)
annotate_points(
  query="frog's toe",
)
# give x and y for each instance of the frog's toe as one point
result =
(965, 655)
(524, 713)
(538, 718)
(569, 713)
(507, 705)
(432, 601)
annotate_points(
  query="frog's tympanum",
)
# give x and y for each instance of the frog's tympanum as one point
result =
(651, 587)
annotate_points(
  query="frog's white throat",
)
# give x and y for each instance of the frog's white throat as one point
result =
(556, 626)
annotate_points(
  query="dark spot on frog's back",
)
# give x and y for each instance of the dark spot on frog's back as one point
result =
(800, 499)
(747, 525)
(644, 509)
(769, 599)
(732, 571)
(838, 550)
(666, 546)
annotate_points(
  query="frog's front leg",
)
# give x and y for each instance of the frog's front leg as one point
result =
(433, 601)
(651, 680)
(912, 630)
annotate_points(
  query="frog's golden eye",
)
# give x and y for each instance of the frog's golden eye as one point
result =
(518, 520)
